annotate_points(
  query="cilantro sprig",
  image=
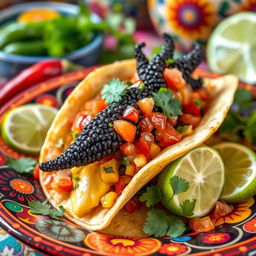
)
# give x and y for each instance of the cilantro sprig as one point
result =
(113, 91)
(44, 209)
(24, 166)
(165, 100)
(158, 223)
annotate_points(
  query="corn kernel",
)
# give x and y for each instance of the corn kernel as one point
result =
(109, 171)
(129, 170)
(140, 160)
(154, 150)
(188, 131)
(108, 199)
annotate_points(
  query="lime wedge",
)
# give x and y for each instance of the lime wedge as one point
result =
(203, 169)
(25, 128)
(232, 47)
(240, 172)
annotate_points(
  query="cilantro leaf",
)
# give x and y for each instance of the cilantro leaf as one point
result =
(44, 209)
(152, 196)
(24, 166)
(113, 91)
(188, 207)
(176, 226)
(243, 98)
(108, 170)
(158, 223)
(178, 185)
(250, 129)
(125, 161)
(165, 100)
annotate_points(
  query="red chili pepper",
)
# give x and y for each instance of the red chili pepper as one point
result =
(34, 74)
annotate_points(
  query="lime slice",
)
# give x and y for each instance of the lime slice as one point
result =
(240, 172)
(232, 48)
(24, 128)
(203, 169)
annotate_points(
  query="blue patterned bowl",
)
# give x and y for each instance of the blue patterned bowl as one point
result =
(11, 64)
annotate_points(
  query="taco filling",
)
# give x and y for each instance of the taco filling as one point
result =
(126, 126)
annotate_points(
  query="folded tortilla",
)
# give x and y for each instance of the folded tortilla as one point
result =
(221, 91)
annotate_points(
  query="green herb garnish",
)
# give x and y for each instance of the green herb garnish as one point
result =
(24, 166)
(198, 102)
(243, 98)
(44, 209)
(125, 161)
(113, 91)
(110, 125)
(165, 100)
(151, 196)
(108, 170)
(76, 178)
(182, 128)
(75, 186)
(169, 61)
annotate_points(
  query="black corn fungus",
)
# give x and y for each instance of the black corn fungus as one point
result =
(97, 139)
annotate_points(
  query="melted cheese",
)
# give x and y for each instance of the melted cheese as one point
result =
(90, 190)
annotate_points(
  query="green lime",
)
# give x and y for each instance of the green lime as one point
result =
(232, 47)
(25, 128)
(203, 170)
(240, 171)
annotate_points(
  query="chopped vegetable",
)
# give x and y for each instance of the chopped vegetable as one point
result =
(173, 78)
(131, 113)
(201, 224)
(143, 144)
(188, 119)
(125, 130)
(165, 100)
(146, 125)
(24, 166)
(36, 171)
(154, 150)
(158, 120)
(108, 200)
(81, 120)
(130, 170)
(140, 160)
(65, 183)
(131, 206)
(192, 108)
(128, 149)
(113, 91)
(98, 105)
(119, 186)
(146, 105)
(109, 171)
(44, 209)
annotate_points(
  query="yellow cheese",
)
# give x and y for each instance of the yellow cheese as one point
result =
(90, 189)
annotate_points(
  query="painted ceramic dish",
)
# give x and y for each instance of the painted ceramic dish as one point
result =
(190, 20)
(235, 234)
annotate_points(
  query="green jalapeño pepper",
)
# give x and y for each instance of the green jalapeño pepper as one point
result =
(28, 48)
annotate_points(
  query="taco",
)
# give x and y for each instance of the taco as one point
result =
(119, 128)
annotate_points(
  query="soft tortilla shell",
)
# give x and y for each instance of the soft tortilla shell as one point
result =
(222, 92)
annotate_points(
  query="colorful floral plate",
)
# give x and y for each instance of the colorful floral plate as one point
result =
(234, 236)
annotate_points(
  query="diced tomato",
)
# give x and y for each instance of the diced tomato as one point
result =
(204, 95)
(185, 94)
(126, 130)
(158, 120)
(119, 186)
(128, 149)
(65, 183)
(131, 206)
(131, 113)
(221, 209)
(173, 78)
(146, 105)
(36, 172)
(201, 224)
(48, 181)
(146, 125)
(98, 105)
(168, 137)
(192, 108)
(188, 119)
(172, 121)
(143, 144)
(81, 120)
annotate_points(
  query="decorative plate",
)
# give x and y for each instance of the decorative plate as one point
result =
(235, 234)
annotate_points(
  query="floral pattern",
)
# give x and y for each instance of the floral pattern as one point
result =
(216, 238)
(239, 213)
(191, 19)
(250, 226)
(48, 100)
(118, 245)
(174, 249)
